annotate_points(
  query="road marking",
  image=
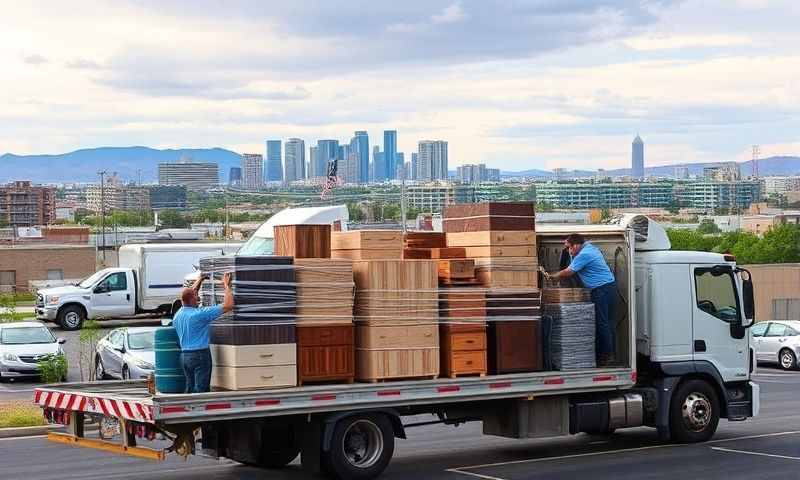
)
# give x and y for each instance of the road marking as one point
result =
(771, 455)
(138, 473)
(607, 452)
(22, 438)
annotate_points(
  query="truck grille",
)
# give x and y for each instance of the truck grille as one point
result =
(39, 300)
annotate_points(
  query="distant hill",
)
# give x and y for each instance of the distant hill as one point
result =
(83, 165)
(779, 165)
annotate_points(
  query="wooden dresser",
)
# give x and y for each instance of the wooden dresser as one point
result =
(325, 353)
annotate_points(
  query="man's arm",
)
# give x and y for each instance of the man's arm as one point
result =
(227, 304)
(199, 282)
(566, 273)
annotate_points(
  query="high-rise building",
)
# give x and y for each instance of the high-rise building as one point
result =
(414, 157)
(474, 174)
(493, 174)
(25, 205)
(681, 173)
(274, 168)
(235, 176)
(390, 153)
(432, 160)
(192, 175)
(723, 172)
(252, 171)
(294, 160)
(350, 171)
(362, 148)
(378, 165)
(169, 196)
(637, 158)
(400, 165)
(117, 196)
(311, 163)
(327, 150)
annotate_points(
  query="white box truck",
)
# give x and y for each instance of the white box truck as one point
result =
(682, 341)
(148, 280)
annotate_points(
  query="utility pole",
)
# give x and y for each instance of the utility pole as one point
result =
(403, 203)
(102, 174)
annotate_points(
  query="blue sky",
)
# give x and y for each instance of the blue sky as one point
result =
(516, 84)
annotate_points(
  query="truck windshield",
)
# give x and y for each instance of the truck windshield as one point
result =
(257, 246)
(25, 335)
(91, 280)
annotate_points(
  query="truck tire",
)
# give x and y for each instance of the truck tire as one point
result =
(71, 317)
(694, 412)
(787, 360)
(361, 447)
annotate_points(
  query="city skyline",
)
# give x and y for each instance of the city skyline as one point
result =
(704, 82)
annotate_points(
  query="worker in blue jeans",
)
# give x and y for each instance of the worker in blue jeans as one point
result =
(590, 266)
(192, 323)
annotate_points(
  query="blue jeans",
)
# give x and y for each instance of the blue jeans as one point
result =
(603, 299)
(197, 369)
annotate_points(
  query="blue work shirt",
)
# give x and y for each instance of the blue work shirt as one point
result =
(192, 325)
(591, 267)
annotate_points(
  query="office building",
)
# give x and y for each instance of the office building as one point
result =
(414, 157)
(637, 158)
(474, 174)
(681, 173)
(432, 160)
(606, 195)
(433, 197)
(25, 205)
(378, 165)
(311, 163)
(780, 185)
(252, 171)
(117, 196)
(169, 196)
(274, 168)
(723, 172)
(493, 174)
(399, 166)
(347, 170)
(195, 176)
(361, 146)
(235, 176)
(327, 151)
(294, 160)
(390, 153)
(711, 195)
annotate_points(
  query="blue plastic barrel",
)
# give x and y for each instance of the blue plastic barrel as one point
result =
(169, 369)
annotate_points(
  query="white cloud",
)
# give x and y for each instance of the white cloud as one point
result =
(670, 42)
(451, 14)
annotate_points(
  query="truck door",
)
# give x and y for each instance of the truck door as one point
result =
(716, 322)
(113, 296)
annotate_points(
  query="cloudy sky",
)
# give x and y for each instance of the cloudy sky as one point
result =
(515, 84)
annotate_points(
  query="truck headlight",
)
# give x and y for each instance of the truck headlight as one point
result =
(10, 357)
(53, 300)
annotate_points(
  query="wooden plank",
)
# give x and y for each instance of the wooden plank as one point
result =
(254, 355)
(302, 241)
(424, 240)
(513, 251)
(383, 337)
(433, 253)
(369, 239)
(369, 254)
(372, 365)
(482, 223)
(452, 269)
(566, 295)
(491, 238)
(507, 278)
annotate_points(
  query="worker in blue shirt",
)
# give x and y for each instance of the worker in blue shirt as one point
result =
(590, 266)
(192, 324)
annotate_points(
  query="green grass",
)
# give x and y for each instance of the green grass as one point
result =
(16, 317)
(20, 414)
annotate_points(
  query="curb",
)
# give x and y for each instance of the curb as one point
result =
(37, 430)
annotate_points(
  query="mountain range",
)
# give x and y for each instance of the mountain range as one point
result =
(130, 162)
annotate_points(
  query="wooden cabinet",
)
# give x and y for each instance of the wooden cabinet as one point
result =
(463, 350)
(376, 365)
(325, 354)
(515, 346)
(241, 378)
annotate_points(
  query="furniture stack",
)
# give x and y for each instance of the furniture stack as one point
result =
(570, 312)
(565, 295)
(254, 346)
(515, 330)
(397, 331)
(429, 245)
(324, 313)
(367, 244)
(462, 329)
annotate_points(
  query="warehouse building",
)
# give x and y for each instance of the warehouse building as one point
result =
(20, 264)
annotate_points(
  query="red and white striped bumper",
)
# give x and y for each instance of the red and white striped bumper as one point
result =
(110, 407)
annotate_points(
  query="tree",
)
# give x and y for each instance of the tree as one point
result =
(172, 219)
(707, 226)
(354, 212)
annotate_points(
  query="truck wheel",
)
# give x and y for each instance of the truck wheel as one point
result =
(361, 447)
(71, 317)
(694, 412)
(787, 360)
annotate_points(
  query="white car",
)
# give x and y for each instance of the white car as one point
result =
(126, 353)
(22, 346)
(777, 342)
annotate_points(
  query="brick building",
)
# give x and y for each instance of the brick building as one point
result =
(20, 264)
(25, 205)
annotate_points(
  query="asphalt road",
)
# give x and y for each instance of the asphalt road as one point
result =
(765, 447)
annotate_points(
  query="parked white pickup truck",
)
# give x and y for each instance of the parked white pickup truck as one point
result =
(148, 280)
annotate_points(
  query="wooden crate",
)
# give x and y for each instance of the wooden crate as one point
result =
(463, 353)
(367, 239)
(424, 240)
(456, 269)
(325, 290)
(566, 295)
(253, 355)
(376, 365)
(244, 378)
(434, 253)
(512, 251)
(491, 238)
(515, 346)
(369, 254)
(376, 337)
(325, 353)
(302, 241)
(396, 291)
(507, 272)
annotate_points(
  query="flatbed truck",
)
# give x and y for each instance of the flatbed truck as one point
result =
(681, 321)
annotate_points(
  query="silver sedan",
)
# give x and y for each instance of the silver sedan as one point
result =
(777, 342)
(126, 353)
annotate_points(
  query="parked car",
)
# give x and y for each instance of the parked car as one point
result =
(22, 346)
(777, 342)
(126, 353)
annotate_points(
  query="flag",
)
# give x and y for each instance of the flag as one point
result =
(330, 181)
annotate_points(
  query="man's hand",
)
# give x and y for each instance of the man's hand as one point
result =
(227, 304)
(226, 281)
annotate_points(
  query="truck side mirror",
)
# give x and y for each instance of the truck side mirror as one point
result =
(102, 288)
(748, 298)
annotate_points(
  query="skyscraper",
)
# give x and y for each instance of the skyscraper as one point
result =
(432, 160)
(311, 167)
(637, 158)
(252, 171)
(235, 176)
(194, 175)
(274, 168)
(400, 164)
(294, 160)
(378, 165)
(362, 149)
(327, 150)
(390, 153)
(414, 156)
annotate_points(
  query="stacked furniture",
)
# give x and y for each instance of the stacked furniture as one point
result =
(572, 327)
(324, 320)
(254, 346)
(302, 241)
(425, 245)
(515, 330)
(397, 331)
(367, 244)
(462, 329)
